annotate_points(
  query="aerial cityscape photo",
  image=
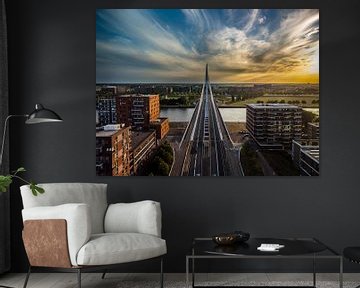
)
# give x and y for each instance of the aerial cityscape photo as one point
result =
(207, 92)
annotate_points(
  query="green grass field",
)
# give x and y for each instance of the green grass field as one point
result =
(266, 99)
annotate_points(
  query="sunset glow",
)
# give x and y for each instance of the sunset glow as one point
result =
(240, 45)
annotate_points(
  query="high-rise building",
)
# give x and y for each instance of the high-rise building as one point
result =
(106, 105)
(306, 156)
(137, 110)
(113, 145)
(274, 125)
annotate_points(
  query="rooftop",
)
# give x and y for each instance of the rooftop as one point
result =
(108, 133)
(137, 137)
(159, 120)
(138, 95)
(273, 106)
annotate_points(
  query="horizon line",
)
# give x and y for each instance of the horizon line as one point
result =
(124, 83)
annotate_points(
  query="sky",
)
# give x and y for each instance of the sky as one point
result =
(240, 45)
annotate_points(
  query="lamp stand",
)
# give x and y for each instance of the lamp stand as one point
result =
(4, 135)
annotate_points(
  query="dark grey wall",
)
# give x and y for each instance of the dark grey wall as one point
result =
(52, 61)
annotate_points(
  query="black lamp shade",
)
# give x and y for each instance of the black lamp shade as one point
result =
(42, 115)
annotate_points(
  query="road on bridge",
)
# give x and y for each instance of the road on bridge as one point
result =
(206, 146)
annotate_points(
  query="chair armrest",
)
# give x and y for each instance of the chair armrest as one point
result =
(138, 217)
(78, 223)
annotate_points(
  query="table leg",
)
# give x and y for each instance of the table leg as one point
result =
(341, 273)
(193, 268)
(193, 272)
(314, 271)
(187, 272)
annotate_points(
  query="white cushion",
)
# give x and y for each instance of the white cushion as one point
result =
(113, 248)
(77, 218)
(93, 194)
(138, 217)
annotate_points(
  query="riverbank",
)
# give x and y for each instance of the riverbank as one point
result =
(237, 131)
(304, 101)
(229, 114)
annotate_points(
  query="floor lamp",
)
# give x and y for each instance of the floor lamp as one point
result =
(39, 115)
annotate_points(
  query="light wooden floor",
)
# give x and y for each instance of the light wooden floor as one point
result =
(113, 280)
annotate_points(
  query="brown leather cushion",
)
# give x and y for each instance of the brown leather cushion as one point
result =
(46, 243)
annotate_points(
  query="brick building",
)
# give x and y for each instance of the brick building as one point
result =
(161, 127)
(137, 111)
(113, 146)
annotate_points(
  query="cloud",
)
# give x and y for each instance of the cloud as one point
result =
(140, 26)
(140, 45)
(138, 42)
(198, 18)
(292, 48)
(252, 19)
(262, 19)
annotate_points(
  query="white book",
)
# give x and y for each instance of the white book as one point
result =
(270, 247)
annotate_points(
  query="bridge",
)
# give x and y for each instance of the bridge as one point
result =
(208, 148)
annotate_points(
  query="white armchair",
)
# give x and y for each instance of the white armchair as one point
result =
(72, 228)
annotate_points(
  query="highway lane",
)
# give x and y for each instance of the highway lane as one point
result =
(209, 148)
(205, 153)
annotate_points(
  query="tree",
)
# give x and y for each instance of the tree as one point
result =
(163, 169)
(249, 160)
(307, 117)
(167, 147)
(315, 101)
(165, 155)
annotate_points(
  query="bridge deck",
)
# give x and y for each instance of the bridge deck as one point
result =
(209, 150)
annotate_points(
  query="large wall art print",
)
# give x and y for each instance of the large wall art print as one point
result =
(207, 92)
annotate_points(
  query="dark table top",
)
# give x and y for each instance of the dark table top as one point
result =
(292, 247)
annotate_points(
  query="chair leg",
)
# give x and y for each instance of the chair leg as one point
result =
(103, 275)
(27, 277)
(79, 277)
(161, 273)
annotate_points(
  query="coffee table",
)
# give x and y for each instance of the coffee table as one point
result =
(294, 248)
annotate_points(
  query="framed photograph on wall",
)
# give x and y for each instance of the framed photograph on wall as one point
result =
(207, 92)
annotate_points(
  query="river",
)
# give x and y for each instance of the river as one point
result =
(228, 114)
